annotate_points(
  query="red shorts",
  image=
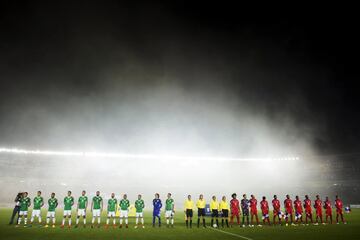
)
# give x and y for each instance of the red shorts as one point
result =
(319, 211)
(289, 210)
(339, 211)
(328, 212)
(235, 212)
(308, 211)
(276, 211)
(299, 211)
(253, 211)
(265, 211)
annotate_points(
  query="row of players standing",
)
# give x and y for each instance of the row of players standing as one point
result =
(217, 209)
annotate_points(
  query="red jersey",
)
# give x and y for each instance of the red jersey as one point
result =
(234, 206)
(276, 204)
(288, 204)
(307, 205)
(318, 206)
(253, 203)
(298, 206)
(339, 206)
(264, 207)
(327, 206)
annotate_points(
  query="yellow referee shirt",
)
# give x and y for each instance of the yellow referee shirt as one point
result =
(224, 205)
(214, 205)
(200, 203)
(189, 204)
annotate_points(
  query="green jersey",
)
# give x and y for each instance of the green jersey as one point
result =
(97, 202)
(169, 204)
(24, 203)
(68, 202)
(124, 204)
(82, 202)
(38, 202)
(53, 202)
(139, 205)
(112, 204)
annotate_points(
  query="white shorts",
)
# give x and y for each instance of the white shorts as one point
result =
(139, 214)
(81, 212)
(23, 213)
(35, 213)
(67, 212)
(111, 214)
(124, 213)
(50, 214)
(169, 213)
(96, 212)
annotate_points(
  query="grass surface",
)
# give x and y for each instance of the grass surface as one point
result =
(349, 231)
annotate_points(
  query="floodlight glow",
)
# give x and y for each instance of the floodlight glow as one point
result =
(138, 156)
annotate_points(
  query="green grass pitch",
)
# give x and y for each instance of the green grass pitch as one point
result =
(349, 231)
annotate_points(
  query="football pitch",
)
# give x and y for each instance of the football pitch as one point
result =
(348, 231)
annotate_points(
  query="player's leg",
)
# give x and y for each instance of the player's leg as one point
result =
(69, 219)
(331, 220)
(126, 219)
(20, 217)
(77, 219)
(257, 219)
(39, 217)
(25, 217)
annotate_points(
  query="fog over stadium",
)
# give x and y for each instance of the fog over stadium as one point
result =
(217, 111)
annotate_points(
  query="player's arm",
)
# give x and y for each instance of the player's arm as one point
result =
(86, 204)
(173, 207)
(42, 202)
(102, 205)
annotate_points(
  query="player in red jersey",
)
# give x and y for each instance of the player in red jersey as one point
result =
(298, 210)
(265, 210)
(288, 210)
(339, 210)
(318, 208)
(328, 210)
(234, 209)
(253, 210)
(277, 211)
(308, 210)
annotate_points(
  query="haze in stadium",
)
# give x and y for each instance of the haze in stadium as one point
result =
(176, 97)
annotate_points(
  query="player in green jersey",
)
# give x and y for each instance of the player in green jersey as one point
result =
(68, 203)
(81, 208)
(96, 206)
(169, 210)
(139, 206)
(53, 203)
(124, 210)
(38, 203)
(25, 203)
(111, 208)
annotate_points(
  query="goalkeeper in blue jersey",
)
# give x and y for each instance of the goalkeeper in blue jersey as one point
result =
(157, 207)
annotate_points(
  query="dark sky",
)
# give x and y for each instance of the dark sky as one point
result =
(301, 63)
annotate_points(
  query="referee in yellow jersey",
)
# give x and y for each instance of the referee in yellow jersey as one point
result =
(214, 208)
(224, 209)
(189, 206)
(200, 204)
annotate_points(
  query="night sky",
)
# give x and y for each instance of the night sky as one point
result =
(300, 65)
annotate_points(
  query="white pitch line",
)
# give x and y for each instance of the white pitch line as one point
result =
(232, 234)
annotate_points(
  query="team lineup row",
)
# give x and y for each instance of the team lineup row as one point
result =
(218, 209)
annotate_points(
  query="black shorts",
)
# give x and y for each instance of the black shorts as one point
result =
(201, 212)
(189, 212)
(225, 213)
(215, 213)
(245, 211)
